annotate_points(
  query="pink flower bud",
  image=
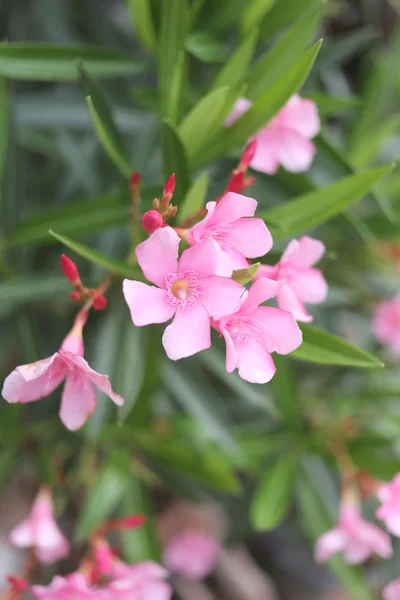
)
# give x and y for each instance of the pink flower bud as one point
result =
(100, 303)
(248, 155)
(17, 583)
(75, 296)
(103, 556)
(151, 221)
(130, 522)
(236, 183)
(69, 269)
(169, 187)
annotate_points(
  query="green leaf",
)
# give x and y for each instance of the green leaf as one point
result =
(330, 106)
(110, 264)
(273, 495)
(283, 14)
(325, 348)
(243, 276)
(175, 160)
(130, 365)
(203, 121)
(50, 62)
(254, 13)
(269, 67)
(4, 118)
(234, 71)
(205, 47)
(319, 206)
(366, 151)
(285, 392)
(175, 89)
(8, 458)
(103, 122)
(142, 23)
(195, 198)
(32, 288)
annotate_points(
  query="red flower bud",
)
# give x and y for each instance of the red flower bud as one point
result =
(75, 296)
(69, 269)
(100, 303)
(169, 187)
(135, 178)
(17, 583)
(248, 155)
(151, 221)
(236, 183)
(130, 522)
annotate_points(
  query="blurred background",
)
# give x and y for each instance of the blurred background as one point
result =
(192, 434)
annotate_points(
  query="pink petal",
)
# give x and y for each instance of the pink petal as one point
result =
(22, 535)
(158, 255)
(205, 258)
(192, 554)
(356, 552)
(392, 590)
(263, 289)
(156, 590)
(309, 285)
(288, 300)
(290, 253)
(232, 207)
(376, 539)
(265, 158)
(310, 251)
(100, 380)
(147, 569)
(255, 364)
(252, 237)
(188, 333)
(221, 296)
(231, 361)
(294, 152)
(195, 234)
(302, 116)
(282, 334)
(240, 107)
(78, 400)
(51, 545)
(236, 258)
(268, 272)
(330, 543)
(28, 383)
(147, 304)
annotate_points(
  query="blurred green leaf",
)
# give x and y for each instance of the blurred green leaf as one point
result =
(283, 14)
(254, 12)
(325, 348)
(205, 47)
(286, 396)
(103, 122)
(50, 62)
(130, 365)
(243, 276)
(273, 495)
(367, 151)
(4, 117)
(176, 87)
(142, 22)
(175, 160)
(195, 198)
(331, 106)
(33, 287)
(234, 71)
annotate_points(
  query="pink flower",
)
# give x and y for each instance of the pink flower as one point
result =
(389, 512)
(143, 581)
(356, 538)
(192, 554)
(386, 324)
(285, 140)
(189, 288)
(73, 586)
(40, 531)
(392, 590)
(28, 383)
(227, 223)
(301, 282)
(254, 331)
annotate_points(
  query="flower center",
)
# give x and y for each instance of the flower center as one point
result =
(245, 328)
(182, 288)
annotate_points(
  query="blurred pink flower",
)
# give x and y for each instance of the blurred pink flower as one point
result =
(301, 282)
(254, 331)
(191, 553)
(386, 324)
(28, 383)
(189, 289)
(356, 538)
(143, 581)
(285, 140)
(40, 531)
(72, 587)
(389, 512)
(392, 590)
(228, 223)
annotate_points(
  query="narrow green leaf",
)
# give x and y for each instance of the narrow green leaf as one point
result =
(205, 47)
(130, 365)
(4, 118)
(175, 160)
(31, 288)
(110, 264)
(285, 392)
(175, 90)
(330, 106)
(273, 495)
(282, 15)
(142, 23)
(366, 151)
(195, 198)
(322, 347)
(254, 13)
(319, 206)
(103, 122)
(234, 71)
(243, 276)
(269, 67)
(50, 62)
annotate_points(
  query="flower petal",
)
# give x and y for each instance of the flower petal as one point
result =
(294, 152)
(232, 207)
(205, 258)
(309, 285)
(241, 106)
(22, 535)
(252, 237)
(302, 116)
(330, 543)
(221, 296)
(195, 234)
(263, 289)
(158, 255)
(265, 159)
(50, 543)
(310, 251)
(392, 590)
(100, 380)
(255, 364)
(189, 332)
(288, 300)
(282, 334)
(231, 361)
(28, 383)
(78, 400)
(147, 304)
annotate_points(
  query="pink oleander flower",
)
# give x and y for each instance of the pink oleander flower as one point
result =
(285, 140)
(143, 581)
(228, 223)
(254, 331)
(190, 289)
(72, 587)
(386, 324)
(40, 531)
(302, 283)
(192, 554)
(28, 383)
(356, 538)
(392, 590)
(389, 495)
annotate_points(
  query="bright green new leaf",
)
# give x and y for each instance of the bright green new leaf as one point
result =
(142, 23)
(110, 264)
(273, 495)
(103, 122)
(175, 160)
(234, 71)
(254, 13)
(50, 62)
(195, 198)
(325, 348)
(243, 276)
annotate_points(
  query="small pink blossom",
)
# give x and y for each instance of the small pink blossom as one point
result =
(392, 590)
(191, 553)
(40, 531)
(285, 140)
(228, 223)
(302, 283)
(190, 289)
(389, 495)
(356, 538)
(72, 587)
(386, 325)
(254, 331)
(28, 383)
(143, 581)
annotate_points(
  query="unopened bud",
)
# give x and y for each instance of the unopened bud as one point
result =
(236, 183)
(135, 178)
(100, 303)
(103, 556)
(156, 204)
(17, 583)
(130, 522)
(69, 269)
(169, 187)
(248, 182)
(152, 220)
(248, 155)
(171, 211)
(75, 296)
